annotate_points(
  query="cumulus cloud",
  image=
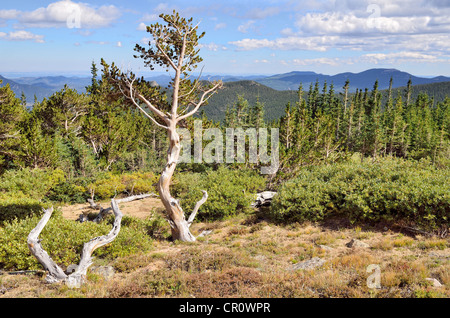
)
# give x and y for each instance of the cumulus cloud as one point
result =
(244, 28)
(65, 13)
(316, 43)
(387, 31)
(400, 57)
(22, 35)
(142, 27)
(212, 47)
(8, 14)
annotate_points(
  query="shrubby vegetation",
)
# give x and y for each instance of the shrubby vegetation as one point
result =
(230, 192)
(387, 190)
(64, 239)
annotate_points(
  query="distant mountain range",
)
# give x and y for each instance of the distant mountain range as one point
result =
(42, 87)
(366, 79)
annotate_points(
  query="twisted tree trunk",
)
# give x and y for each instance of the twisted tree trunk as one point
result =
(178, 223)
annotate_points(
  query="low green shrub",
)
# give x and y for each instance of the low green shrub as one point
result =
(109, 185)
(391, 189)
(35, 183)
(18, 206)
(230, 191)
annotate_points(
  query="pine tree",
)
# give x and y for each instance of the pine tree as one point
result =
(11, 114)
(37, 150)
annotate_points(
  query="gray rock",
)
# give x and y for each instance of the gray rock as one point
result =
(434, 282)
(309, 264)
(106, 271)
(71, 268)
(326, 248)
(357, 243)
(205, 233)
(264, 198)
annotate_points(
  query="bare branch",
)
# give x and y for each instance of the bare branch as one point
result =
(54, 272)
(131, 94)
(201, 102)
(167, 58)
(197, 206)
(77, 277)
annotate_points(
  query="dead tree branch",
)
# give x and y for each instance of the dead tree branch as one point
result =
(54, 272)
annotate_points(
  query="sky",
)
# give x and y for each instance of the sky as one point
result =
(243, 37)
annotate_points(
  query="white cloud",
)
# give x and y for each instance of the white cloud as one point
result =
(8, 14)
(119, 44)
(316, 43)
(142, 27)
(401, 57)
(65, 13)
(244, 28)
(22, 35)
(317, 61)
(350, 24)
(212, 47)
(220, 26)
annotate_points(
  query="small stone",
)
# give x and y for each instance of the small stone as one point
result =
(434, 282)
(326, 248)
(106, 271)
(356, 243)
(71, 268)
(309, 264)
(205, 233)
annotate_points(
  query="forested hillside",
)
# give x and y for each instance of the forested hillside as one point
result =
(275, 100)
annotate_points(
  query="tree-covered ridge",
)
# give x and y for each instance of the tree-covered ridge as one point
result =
(325, 127)
(96, 131)
(275, 100)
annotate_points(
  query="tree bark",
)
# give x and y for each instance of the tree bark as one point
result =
(178, 223)
(177, 220)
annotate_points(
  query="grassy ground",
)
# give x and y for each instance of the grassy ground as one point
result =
(247, 256)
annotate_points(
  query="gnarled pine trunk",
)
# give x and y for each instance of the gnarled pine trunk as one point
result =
(178, 223)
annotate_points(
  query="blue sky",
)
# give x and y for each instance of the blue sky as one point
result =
(242, 37)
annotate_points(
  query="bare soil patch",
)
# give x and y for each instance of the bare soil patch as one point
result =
(139, 208)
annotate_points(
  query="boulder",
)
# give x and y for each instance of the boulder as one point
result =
(309, 264)
(357, 243)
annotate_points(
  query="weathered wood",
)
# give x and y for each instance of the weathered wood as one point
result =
(54, 272)
(197, 206)
(77, 278)
(264, 198)
(136, 197)
(104, 212)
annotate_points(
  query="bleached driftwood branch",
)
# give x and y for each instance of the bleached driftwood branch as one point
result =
(54, 272)
(103, 212)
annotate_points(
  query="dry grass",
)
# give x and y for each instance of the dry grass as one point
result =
(250, 257)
